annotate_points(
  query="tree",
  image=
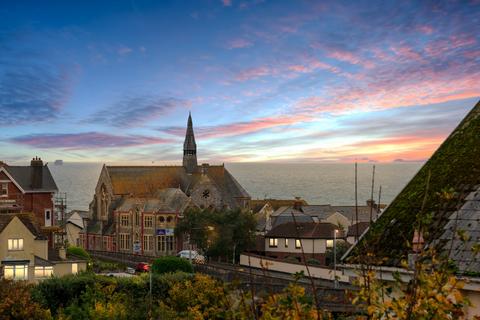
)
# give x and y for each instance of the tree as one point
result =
(16, 302)
(171, 264)
(219, 233)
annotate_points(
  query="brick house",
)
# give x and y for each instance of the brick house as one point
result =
(29, 189)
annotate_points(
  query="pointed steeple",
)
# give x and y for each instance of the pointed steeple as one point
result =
(190, 148)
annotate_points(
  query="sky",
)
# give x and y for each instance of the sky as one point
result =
(283, 81)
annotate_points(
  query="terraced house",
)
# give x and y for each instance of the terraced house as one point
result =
(135, 208)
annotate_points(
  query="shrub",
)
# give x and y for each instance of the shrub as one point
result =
(291, 259)
(79, 252)
(171, 264)
(313, 262)
(16, 302)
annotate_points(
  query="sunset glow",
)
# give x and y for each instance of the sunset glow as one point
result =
(288, 81)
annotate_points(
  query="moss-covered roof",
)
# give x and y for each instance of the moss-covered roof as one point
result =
(454, 166)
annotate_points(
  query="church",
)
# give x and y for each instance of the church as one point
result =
(135, 208)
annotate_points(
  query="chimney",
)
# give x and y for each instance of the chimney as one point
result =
(62, 253)
(36, 169)
(297, 204)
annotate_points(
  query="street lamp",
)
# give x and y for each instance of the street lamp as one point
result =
(335, 284)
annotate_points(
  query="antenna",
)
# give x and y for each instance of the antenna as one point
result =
(371, 195)
(356, 204)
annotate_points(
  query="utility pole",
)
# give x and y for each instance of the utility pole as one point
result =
(356, 205)
(371, 195)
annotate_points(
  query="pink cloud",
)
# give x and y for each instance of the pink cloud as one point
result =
(87, 140)
(239, 43)
(254, 73)
(227, 3)
(425, 29)
(240, 128)
(349, 57)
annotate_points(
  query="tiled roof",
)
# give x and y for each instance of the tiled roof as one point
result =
(309, 230)
(23, 176)
(257, 204)
(165, 200)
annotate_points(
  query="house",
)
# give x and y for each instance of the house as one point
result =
(447, 187)
(75, 222)
(287, 240)
(342, 216)
(206, 186)
(356, 230)
(25, 254)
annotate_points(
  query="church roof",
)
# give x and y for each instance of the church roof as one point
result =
(189, 143)
(144, 181)
(165, 200)
(455, 166)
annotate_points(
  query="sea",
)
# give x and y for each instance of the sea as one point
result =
(317, 183)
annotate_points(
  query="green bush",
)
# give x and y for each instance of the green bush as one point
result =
(313, 262)
(79, 252)
(291, 259)
(171, 264)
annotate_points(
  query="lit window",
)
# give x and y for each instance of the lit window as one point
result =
(4, 189)
(74, 268)
(286, 243)
(124, 220)
(273, 242)
(43, 272)
(329, 243)
(15, 244)
(16, 272)
(298, 243)
(148, 221)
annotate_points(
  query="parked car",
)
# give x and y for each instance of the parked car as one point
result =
(193, 255)
(142, 267)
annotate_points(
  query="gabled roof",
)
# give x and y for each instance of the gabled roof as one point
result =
(361, 226)
(454, 166)
(26, 218)
(23, 178)
(257, 204)
(309, 230)
(165, 200)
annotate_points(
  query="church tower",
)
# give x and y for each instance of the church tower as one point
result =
(190, 148)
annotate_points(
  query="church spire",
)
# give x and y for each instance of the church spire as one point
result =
(190, 148)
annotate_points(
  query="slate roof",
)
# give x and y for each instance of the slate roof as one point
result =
(454, 166)
(466, 219)
(257, 204)
(144, 181)
(309, 230)
(362, 226)
(23, 176)
(26, 218)
(284, 215)
(165, 200)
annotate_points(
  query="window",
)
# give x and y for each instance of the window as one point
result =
(4, 189)
(147, 243)
(124, 220)
(124, 241)
(273, 242)
(165, 243)
(169, 219)
(161, 219)
(329, 243)
(298, 243)
(16, 272)
(43, 272)
(15, 244)
(286, 243)
(148, 221)
(74, 268)
(137, 218)
(105, 244)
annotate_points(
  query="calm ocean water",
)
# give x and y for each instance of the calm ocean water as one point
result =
(317, 183)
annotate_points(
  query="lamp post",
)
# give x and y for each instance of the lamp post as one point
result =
(335, 284)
